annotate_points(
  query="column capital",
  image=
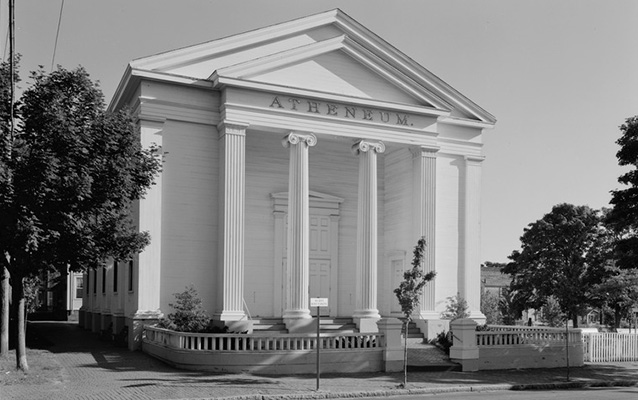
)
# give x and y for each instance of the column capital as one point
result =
(227, 127)
(295, 138)
(425, 151)
(363, 146)
(474, 160)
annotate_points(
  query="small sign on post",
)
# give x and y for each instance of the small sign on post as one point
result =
(318, 302)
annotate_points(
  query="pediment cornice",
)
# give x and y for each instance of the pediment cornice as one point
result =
(349, 37)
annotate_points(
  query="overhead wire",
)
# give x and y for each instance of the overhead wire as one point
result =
(57, 34)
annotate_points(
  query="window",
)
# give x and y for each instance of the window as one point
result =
(115, 268)
(79, 286)
(103, 279)
(130, 276)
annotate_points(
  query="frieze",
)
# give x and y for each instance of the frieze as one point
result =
(339, 110)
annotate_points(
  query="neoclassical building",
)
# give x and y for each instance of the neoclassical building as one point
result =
(301, 160)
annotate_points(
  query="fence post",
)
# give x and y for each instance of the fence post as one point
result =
(464, 349)
(390, 328)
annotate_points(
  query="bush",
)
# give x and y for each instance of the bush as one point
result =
(456, 308)
(189, 315)
(443, 341)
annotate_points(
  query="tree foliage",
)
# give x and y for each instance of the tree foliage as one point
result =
(69, 177)
(490, 308)
(619, 291)
(456, 308)
(189, 314)
(563, 255)
(409, 291)
(623, 217)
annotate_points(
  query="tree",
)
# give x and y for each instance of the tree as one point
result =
(189, 314)
(490, 308)
(623, 217)
(619, 291)
(563, 255)
(409, 292)
(71, 174)
(6, 132)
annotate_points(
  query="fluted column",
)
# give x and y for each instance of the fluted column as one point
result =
(366, 284)
(230, 278)
(424, 211)
(471, 274)
(298, 256)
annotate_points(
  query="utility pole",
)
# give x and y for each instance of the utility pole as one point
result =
(4, 273)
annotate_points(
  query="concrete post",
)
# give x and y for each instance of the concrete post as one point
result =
(464, 349)
(390, 328)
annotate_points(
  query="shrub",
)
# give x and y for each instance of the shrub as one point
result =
(443, 341)
(456, 308)
(189, 315)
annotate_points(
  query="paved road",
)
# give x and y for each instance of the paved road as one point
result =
(93, 369)
(613, 393)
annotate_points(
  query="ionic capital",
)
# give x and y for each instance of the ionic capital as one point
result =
(295, 138)
(363, 146)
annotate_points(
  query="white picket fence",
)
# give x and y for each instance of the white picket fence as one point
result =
(610, 347)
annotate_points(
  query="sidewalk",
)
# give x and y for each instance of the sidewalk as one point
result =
(93, 369)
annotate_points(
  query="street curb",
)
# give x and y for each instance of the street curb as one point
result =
(433, 390)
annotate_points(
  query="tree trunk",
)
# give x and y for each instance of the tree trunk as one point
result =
(405, 353)
(4, 313)
(20, 318)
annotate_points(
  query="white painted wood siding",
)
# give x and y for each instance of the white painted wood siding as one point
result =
(189, 211)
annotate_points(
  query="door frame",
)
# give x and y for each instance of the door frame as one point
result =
(321, 204)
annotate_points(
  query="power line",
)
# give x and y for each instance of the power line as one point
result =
(55, 47)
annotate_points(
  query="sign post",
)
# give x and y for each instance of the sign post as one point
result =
(318, 302)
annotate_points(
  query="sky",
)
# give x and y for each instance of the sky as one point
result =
(560, 76)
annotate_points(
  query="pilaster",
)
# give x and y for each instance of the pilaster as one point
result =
(424, 211)
(471, 281)
(366, 266)
(230, 269)
(298, 253)
(150, 220)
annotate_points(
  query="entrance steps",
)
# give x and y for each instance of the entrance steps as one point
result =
(413, 331)
(269, 326)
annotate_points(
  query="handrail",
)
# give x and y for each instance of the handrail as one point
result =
(248, 342)
(525, 337)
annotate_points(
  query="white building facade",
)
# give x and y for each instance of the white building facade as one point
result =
(301, 160)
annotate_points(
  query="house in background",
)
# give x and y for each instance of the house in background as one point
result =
(301, 160)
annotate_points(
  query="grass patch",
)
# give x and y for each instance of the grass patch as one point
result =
(43, 368)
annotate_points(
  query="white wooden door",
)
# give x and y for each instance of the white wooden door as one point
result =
(320, 254)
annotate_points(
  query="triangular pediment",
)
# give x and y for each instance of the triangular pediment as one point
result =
(323, 53)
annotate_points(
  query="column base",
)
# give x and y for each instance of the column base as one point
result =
(234, 326)
(429, 314)
(430, 328)
(303, 313)
(230, 316)
(478, 317)
(366, 325)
